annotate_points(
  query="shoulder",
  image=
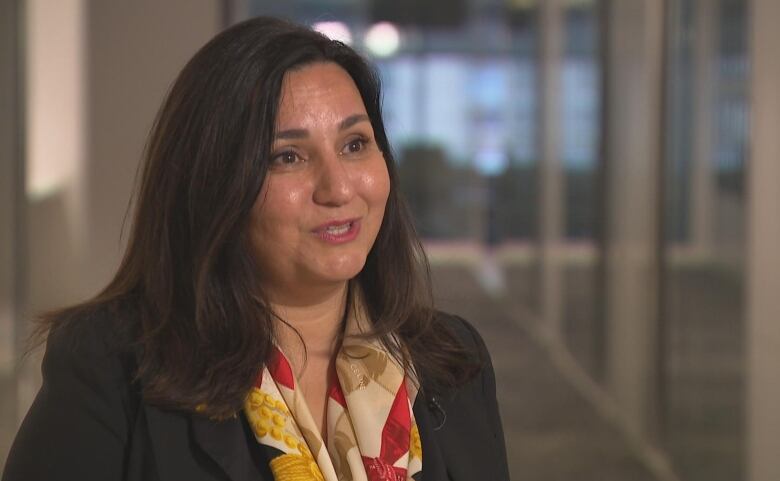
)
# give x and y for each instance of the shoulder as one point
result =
(88, 389)
(466, 418)
(462, 328)
(93, 346)
(454, 355)
(465, 333)
(97, 337)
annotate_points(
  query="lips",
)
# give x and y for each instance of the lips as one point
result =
(338, 231)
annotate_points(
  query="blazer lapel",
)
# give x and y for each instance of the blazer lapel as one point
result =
(227, 444)
(434, 468)
(223, 442)
(455, 444)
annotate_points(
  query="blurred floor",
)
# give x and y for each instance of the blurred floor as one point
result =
(552, 432)
(706, 380)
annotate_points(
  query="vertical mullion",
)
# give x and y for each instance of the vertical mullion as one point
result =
(551, 227)
(763, 187)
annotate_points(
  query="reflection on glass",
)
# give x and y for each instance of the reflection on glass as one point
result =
(704, 248)
(580, 121)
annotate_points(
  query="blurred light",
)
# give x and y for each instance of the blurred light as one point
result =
(334, 31)
(383, 39)
(491, 161)
(532, 4)
(56, 96)
(580, 3)
(522, 4)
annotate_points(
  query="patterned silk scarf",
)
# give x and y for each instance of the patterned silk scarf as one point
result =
(371, 431)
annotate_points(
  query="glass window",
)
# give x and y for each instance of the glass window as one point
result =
(704, 248)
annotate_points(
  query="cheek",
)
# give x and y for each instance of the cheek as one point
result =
(281, 194)
(277, 208)
(376, 185)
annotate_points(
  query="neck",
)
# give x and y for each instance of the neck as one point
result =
(318, 322)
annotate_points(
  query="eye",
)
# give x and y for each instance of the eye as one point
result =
(287, 157)
(355, 145)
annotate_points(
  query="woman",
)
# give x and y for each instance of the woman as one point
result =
(271, 319)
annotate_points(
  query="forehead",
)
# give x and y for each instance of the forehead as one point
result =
(320, 91)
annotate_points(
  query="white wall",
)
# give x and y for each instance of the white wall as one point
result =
(97, 73)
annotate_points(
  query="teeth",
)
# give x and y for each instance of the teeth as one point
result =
(338, 229)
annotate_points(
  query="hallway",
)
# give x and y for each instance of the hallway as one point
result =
(552, 432)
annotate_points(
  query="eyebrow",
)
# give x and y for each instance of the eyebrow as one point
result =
(352, 120)
(302, 133)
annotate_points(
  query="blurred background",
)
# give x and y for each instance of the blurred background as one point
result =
(596, 181)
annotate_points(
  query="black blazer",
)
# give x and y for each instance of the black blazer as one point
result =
(88, 422)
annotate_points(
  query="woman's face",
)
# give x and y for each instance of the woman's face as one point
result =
(322, 203)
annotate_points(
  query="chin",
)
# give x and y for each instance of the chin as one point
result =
(342, 269)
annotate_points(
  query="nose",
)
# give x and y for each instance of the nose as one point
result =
(334, 184)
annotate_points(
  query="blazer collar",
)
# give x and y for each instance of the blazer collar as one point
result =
(180, 440)
(227, 442)
(434, 468)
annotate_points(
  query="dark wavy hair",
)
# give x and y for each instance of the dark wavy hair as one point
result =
(187, 285)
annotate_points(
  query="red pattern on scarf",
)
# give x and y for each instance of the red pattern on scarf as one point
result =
(280, 369)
